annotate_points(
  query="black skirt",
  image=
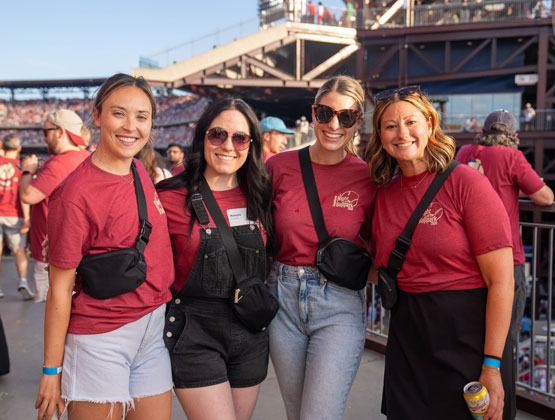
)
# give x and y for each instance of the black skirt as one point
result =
(435, 347)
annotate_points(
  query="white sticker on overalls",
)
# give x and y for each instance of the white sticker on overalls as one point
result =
(237, 217)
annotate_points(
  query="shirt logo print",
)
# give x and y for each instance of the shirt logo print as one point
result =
(348, 200)
(433, 213)
(7, 172)
(158, 204)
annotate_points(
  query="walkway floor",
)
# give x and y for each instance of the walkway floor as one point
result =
(23, 322)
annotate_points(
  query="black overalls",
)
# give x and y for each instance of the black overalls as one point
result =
(207, 343)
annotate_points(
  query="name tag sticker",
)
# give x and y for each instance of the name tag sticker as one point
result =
(237, 217)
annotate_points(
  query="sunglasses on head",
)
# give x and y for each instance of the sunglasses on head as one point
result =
(404, 91)
(218, 136)
(347, 117)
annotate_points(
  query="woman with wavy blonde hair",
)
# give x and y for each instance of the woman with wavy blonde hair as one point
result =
(453, 311)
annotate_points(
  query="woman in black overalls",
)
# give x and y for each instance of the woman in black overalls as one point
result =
(217, 363)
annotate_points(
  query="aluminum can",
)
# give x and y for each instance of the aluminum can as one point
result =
(477, 399)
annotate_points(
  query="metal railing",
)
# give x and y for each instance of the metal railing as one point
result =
(536, 355)
(453, 13)
(544, 120)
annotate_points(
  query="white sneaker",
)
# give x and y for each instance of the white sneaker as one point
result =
(1, 293)
(24, 289)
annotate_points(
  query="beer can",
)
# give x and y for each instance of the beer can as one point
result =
(477, 399)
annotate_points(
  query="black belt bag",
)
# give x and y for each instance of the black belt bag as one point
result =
(251, 300)
(114, 273)
(387, 277)
(339, 260)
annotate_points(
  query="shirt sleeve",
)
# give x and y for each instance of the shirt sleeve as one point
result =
(524, 175)
(48, 178)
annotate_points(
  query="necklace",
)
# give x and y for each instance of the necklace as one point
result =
(413, 186)
(108, 169)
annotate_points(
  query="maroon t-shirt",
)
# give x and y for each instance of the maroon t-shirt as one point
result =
(346, 194)
(10, 176)
(52, 173)
(508, 172)
(94, 211)
(465, 219)
(185, 245)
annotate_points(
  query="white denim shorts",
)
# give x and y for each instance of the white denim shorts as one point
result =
(118, 366)
(10, 228)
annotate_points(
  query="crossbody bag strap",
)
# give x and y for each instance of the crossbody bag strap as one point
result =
(403, 242)
(225, 232)
(312, 196)
(146, 227)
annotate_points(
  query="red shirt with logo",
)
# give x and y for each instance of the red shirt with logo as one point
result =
(94, 211)
(508, 171)
(184, 244)
(346, 194)
(52, 173)
(465, 219)
(10, 176)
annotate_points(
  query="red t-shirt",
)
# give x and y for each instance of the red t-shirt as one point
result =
(178, 169)
(185, 246)
(508, 171)
(267, 155)
(94, 211)
(10, 176)
(52, 173)
(465, 219)
(346, 194)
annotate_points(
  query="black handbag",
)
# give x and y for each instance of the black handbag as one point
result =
(387, 277)
(251, 300)
(339, 260)
(113, 273)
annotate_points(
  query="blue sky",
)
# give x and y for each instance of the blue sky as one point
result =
(60, 39)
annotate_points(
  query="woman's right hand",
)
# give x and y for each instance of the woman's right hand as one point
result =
(49, 398)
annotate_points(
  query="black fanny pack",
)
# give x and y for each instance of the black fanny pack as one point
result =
(114, 273)
(251, 300)
(387, 277)
(340, 260)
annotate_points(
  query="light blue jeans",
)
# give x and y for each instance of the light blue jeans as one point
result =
(316, 341)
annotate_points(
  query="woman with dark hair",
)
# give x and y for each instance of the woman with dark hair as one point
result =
(317, 338)
(104, 354)
(453, 310)
(147, 156)
(217, 363)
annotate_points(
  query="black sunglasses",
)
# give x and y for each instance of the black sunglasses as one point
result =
(404, 91)
(218, 136)
(46, 130)
(347, 117)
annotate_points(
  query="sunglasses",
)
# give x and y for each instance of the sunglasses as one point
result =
(347, 117)
(218, 136)
(404, 91)
(46, 130)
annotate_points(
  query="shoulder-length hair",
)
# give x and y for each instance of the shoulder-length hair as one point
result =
(253, 177)
(439, 151)
(344, 85)
(499, 135)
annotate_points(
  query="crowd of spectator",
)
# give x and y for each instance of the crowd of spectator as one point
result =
(173, 121)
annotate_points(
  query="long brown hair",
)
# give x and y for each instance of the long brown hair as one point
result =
(439, 151)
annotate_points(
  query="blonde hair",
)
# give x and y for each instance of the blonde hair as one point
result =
(344, 85)
(439, 151)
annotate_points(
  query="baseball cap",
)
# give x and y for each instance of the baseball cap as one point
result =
(69, 121)
(501, 116)
(274, 123)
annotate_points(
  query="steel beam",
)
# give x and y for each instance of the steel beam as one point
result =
(330, 62)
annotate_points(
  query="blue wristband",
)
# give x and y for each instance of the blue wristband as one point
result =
(492, 362)
(51, 371)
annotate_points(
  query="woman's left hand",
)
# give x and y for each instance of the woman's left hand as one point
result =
(491, 379)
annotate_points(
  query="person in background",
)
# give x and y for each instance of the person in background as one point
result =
(14, 214)
(274, 135)
(453, 310)
(317, 338)
(147, 156)
(496, 155)
(311, 8)
(62, 135)
(175, 156)
(105, 358)
(320, 11)
(529, 115)
(217, 363)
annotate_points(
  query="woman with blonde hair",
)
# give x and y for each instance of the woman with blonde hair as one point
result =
(453, 310)
(317, 338)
